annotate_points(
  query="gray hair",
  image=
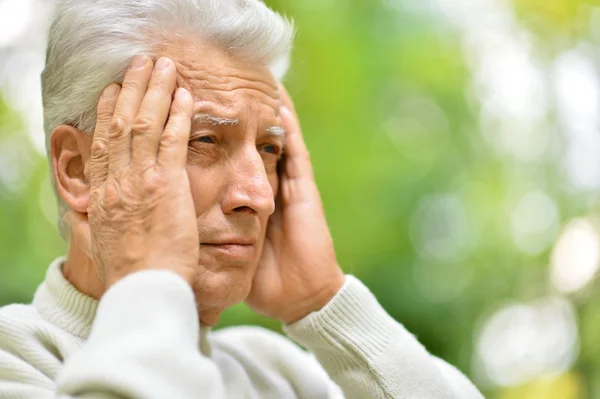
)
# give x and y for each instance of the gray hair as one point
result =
(92, 42)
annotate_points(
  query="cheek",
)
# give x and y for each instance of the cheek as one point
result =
(205, 192)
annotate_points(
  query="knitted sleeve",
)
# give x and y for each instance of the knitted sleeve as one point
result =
(143, 344)
(370, 355)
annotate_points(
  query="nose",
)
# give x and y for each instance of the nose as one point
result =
(248, 189)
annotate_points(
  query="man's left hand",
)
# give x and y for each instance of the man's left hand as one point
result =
(298, 272)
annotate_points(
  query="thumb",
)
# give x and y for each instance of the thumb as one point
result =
(297, 159)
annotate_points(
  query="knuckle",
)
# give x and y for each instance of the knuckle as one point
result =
(104, 110)
(158, 83)
(144, 124)
(152, 181)
(112, 194)
(178, 110)
(99, 149)
(118, 128)
(131, 85)
(170, 138)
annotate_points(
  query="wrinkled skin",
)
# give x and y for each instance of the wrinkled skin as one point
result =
(203, 197)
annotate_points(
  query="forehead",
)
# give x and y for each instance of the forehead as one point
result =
(224, 84)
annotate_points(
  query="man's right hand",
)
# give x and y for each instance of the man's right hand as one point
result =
(141, 213)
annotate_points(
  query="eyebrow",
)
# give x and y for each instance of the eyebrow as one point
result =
(215, 120)
(275, 131)
(218, 121)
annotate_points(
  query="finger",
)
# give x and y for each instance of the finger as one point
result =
(152, 116)
(80, 231)
(274, 226)
(128, 105)
(297, 159)
(172, 152)
(99, 148)
(298, 191)
(286, 100)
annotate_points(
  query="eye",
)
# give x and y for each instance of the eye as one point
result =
(271, 149)
(205, 139)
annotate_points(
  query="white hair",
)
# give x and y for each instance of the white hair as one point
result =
(92, 42)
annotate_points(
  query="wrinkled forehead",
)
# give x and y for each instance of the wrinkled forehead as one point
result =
(215, 78)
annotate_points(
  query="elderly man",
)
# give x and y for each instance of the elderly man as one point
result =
(166, 133)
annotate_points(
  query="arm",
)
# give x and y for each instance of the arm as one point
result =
(300, 283)
(368, 354)
(133, 216)
(144, 344)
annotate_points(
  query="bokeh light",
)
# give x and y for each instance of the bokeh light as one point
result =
(575, 257)
(578, 93)
(15, 17)
(456, 145)
(534, 222)
(521, 342)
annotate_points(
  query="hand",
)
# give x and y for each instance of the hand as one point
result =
(141, 213)
(298, 272)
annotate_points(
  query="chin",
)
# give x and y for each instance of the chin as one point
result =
(222, 288)
(209, 317)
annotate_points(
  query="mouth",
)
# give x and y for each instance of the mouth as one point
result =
(235, 249)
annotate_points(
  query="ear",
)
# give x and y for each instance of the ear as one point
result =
(70, 154)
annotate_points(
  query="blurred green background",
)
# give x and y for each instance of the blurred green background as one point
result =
(456, 144)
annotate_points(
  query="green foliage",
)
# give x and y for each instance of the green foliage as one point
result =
(385, 99)
(28, 237)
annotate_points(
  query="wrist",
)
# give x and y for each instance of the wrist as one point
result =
(316, 302)
(185, 272)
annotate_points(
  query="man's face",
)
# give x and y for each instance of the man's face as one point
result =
(235, 144)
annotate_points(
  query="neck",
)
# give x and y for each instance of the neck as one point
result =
(79, 270)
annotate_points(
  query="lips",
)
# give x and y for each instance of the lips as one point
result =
(239, 249)
(232, 241)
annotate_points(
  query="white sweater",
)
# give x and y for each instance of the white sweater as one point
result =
(143, 340)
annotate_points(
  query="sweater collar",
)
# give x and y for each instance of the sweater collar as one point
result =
(61, 304)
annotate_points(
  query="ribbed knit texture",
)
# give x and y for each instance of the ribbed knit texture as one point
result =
(343, 325)
(143, 341)
(62, 305)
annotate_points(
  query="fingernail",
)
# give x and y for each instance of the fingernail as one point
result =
(163, 64)
(139, 62)
(110, 91)
(182, 94)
